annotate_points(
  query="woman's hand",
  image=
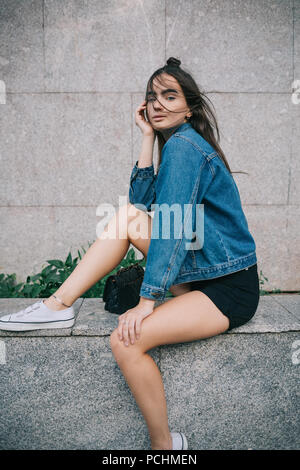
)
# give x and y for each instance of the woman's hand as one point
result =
(141, 121)
(130, 321)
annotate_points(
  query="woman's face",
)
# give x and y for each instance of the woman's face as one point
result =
(168, 101)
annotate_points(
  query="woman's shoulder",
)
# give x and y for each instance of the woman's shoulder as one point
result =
(187, 143)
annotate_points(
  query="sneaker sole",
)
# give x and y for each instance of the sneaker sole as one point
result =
(19, 326)
(185, 444)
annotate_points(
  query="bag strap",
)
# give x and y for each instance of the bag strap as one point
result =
(130, 266)
(138, 262)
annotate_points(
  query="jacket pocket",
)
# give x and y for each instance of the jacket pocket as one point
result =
(212, 253)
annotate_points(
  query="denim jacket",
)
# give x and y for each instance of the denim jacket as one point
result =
(194, 179)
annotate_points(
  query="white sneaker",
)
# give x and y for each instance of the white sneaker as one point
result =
(37, 317)
(179, 441)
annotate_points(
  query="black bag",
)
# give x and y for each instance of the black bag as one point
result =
(122, 289)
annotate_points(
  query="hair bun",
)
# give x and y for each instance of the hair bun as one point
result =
(174, 62)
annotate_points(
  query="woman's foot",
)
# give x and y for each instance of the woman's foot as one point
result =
(179, 441)
(176, 441)
(38, 316)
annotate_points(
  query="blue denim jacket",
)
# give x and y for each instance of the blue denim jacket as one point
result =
(192, 174)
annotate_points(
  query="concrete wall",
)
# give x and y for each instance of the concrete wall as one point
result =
(74, 72)
(239, 390)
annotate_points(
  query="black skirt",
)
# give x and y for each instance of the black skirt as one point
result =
(235, 294)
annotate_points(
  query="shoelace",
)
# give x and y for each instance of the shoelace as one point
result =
(29, 309)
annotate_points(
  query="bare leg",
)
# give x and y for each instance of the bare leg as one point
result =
(185, 318)
(100, 259)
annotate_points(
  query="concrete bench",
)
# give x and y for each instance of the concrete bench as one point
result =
(62, 389)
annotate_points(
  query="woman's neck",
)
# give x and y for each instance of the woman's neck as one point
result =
(166, 133)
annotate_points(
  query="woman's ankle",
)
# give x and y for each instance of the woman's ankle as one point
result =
(53, 304)
(167, 444)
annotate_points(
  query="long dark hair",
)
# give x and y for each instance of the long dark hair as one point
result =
(203, 119)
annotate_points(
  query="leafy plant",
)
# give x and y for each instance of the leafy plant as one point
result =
(264, 292)
(261, 283)
(9, 286)
(54, 274)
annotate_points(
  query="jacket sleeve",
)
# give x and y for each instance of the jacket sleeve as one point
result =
(182, 180)
(142, 186)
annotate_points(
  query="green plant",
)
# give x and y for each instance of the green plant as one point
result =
(46, 282)
(51, 277)
(9, 286)
(261, 283)
(264, 292)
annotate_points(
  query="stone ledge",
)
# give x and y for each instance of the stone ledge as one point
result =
(63, 389)
(276, 313)
(236, 391)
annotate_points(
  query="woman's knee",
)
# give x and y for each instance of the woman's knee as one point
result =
(119, 350)
(119, 223)
(114, 340)
(140, 227)
(139, 231)
(129, 213)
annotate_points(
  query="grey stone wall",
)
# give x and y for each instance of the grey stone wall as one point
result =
(74, 72)
(63, 389)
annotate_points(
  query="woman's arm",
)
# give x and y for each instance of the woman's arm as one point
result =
(146, 155)
(182, 181)
(142, 179)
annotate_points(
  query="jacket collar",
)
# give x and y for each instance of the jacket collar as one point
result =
(168, 132)
(183, 126)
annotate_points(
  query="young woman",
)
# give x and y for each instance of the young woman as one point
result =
(214, 279)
